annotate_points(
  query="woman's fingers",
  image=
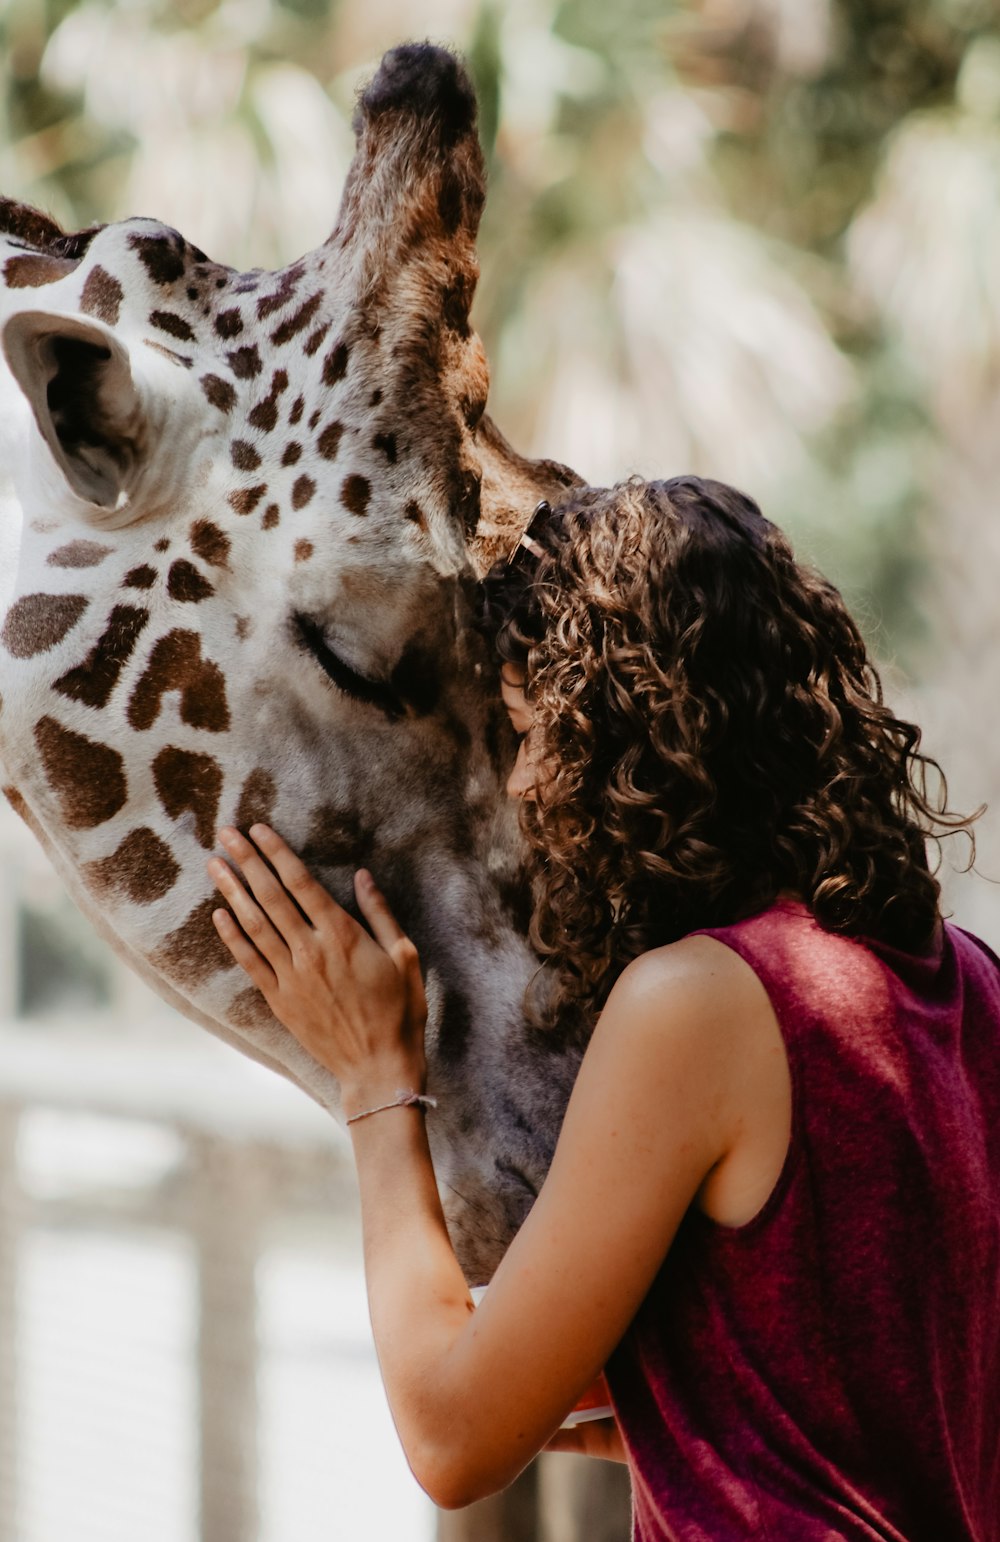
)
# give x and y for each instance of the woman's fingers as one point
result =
(375, 908)
(309, 895)
(268, 890)
(600, 1437)
(390, 936)
(244, 952)
(285, 913)
(257, 928)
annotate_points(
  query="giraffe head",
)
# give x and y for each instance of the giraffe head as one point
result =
(236, 566)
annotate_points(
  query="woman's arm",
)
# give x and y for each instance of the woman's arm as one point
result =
(656, 1105)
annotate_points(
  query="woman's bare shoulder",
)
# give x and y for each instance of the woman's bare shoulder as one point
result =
(705, 1006)
(696, 974)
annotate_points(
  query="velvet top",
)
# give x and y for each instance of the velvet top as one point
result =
(831, 1370)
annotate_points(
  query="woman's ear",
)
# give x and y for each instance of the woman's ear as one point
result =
(78, 381)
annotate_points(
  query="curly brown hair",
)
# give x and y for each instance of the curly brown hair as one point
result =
(714, 736)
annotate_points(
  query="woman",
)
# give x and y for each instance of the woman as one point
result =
(774, 1208)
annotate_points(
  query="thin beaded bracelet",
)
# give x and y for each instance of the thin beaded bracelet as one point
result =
(403, 1099)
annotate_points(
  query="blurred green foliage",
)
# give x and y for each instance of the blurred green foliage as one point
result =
(772, 119)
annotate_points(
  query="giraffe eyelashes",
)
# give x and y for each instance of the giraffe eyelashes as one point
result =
(374, 693)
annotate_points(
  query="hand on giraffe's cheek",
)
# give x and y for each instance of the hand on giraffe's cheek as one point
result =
(355, 1002)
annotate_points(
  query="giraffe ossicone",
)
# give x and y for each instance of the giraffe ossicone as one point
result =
(241, 519)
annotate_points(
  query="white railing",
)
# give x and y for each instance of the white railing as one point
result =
(246, 1152)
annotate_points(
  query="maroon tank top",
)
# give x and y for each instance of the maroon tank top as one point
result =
(831, 1370)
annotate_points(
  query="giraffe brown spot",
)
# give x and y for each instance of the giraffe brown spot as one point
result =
(190, 783)
(355, 493)
(36, 622)
(78, 554)
(195, 950)
(302, 491)
(142, 868)
(451, 199)
(387, 444)
(336, 838)
(269, 303)
(93, 681)
(328, 442)
(244, 456)
(210, 543)
(245, 362)
(303, 550)
(298, 321)
(102, 296)
(33, 271)
(272, 515)
(314, 418)
(244, 626)
(312, 342)
(162, 544)
(335, 364)
(298, 407)
(174, 325)
(293, 453)
(472, 409)
(185, 583)
(143, 577)
(248, 1009)
(161, 256)
(176, 664)
(415, 512)
(245, 499)
(456, 300)
(256, 801)
(456, 1027)
(221, 393)
(376, 396)
(88, 778)
(182, 360)
(229, 323)
(265, 414)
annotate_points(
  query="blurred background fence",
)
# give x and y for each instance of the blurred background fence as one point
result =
(756, 239)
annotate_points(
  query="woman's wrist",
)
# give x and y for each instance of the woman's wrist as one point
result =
(382, 1085)
(418, 1100)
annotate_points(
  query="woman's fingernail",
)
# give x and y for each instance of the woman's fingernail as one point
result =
(227, 835)
(365, 878)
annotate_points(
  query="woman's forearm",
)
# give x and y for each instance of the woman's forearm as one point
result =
(354, 998)
(417, 1296)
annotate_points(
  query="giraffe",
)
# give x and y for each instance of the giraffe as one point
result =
(237, 559)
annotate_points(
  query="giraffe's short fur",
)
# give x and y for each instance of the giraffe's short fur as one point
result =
(235, 571)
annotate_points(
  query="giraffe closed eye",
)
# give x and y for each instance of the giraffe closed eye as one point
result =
(375, 693)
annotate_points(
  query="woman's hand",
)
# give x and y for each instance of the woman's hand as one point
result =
(596, 1437)
(356, 1004)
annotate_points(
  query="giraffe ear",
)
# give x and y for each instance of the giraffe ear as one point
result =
(78, 381)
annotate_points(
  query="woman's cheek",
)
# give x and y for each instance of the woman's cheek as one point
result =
(521, 782)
